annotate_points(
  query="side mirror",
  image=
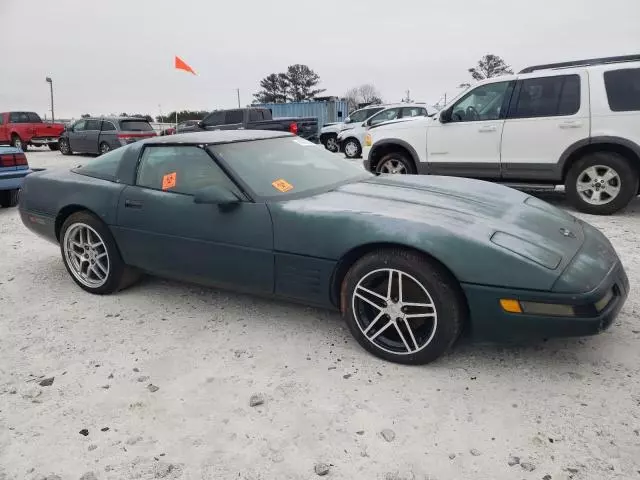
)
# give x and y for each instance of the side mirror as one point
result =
(215, 195)
(347, 120)
(446, 114)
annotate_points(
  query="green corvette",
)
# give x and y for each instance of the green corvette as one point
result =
(411, 262)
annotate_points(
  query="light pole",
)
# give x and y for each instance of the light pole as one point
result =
(50, 82)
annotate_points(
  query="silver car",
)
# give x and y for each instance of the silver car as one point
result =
(101, 135)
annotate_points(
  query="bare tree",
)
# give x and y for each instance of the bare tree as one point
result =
(490, 66)
(362, 94)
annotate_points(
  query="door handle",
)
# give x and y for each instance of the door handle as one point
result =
(132, 204)
(570, 124)
(489, 128)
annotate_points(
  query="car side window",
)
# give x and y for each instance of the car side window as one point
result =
(546, 97)
(623, 89)
(384, 116)
(92, 125)
(18, 117)
(180, 169)
(255, 115)
(413, 112)
(214, 119)
(108, 126)
(482, 103)
(233, 116)
(79, 126)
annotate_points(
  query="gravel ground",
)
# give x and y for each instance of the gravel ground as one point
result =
(158, 382)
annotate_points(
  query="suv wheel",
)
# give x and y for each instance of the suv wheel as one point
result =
(352, 148)
(601, 183)
(331, 143)
(395, 162)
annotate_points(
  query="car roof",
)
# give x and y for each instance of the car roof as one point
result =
(216, 136)
(115, 119)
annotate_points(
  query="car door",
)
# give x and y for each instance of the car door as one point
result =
(467, 144)
(76, 136)
(161, 230)
(547, 115)
(91, 136)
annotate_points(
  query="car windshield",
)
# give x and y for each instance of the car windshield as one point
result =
(135, 126)
(282, 166)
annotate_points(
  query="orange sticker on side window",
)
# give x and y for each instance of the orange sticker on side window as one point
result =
(169, 181)
(282, 185)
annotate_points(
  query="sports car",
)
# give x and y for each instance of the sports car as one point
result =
(411, 262)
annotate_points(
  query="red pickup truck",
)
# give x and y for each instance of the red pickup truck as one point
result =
(21, 129)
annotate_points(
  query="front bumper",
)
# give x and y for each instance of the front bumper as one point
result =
(489, 322)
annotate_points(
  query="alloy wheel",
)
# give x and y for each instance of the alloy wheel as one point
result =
(86, 255)
(332, 144)
(394, 311)
(351, 149)
(104, 148)
(598, 185)
(17, 143)
(64, 146)
(393, 166)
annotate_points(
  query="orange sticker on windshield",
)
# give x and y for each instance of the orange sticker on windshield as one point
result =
(169, 181)
(282, 185)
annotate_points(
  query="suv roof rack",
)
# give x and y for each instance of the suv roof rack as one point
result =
(583, 63)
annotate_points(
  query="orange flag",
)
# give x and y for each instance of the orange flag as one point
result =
(182, 65)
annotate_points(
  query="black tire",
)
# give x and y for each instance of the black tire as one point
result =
(65, 148)
(330, 142)
(356, 151)
(104, 148)
(443, 291)
(17, 142)
(9, 198)
(119, 275)
(54, 147)
(405, 165)
(627, 181)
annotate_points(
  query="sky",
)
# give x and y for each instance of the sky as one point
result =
(114, 56)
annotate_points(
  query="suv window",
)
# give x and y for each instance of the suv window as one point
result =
(135, 126)
(623, 89)
(362, 115)
(105, 166)
(414, 112)
(79, 126)
(384, 116)
(546, 97)
(180, 170)
(233, 116)
(482, 103)
(92, 125)
(214, 119)
(108, 126)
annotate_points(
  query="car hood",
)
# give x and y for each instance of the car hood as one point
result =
(471, 226)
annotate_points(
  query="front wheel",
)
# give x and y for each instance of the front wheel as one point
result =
(395, 163)
(352, 148)
(402, 307)
(601, 183)
(9, 198)
(63, 144)
(91, 256)
(331, 143)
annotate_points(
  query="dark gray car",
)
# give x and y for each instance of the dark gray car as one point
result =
(101, 135)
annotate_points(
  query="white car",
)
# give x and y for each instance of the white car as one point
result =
(351, 138)
(572, 123)
(329, 132)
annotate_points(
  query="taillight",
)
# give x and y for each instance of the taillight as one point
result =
(293, 128)
(7, 160)
(21, 159)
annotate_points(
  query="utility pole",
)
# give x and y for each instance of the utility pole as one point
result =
(50, 82)
(238, 92)
(445, 98)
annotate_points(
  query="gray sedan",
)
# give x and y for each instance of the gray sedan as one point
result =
(101, 135)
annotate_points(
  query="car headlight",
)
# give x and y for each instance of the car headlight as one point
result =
(367, 140)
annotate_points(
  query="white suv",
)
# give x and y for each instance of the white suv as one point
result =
(329, 132)
(573, 123)
(351, 137)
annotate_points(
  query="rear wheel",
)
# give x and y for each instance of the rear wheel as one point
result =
(91, 256)
(395, 162)
(104, 148)
(63, 144)
(352, 148)
(601, 183)
(17, 142)
(9, 198)
(402, 307)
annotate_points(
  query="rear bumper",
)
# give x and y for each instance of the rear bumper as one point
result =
(13, 180)
(42, 225)
(43, 140)
(489, 322)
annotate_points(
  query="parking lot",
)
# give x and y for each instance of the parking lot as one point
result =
(156, 382)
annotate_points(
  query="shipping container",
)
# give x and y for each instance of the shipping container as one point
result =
(325, 112)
